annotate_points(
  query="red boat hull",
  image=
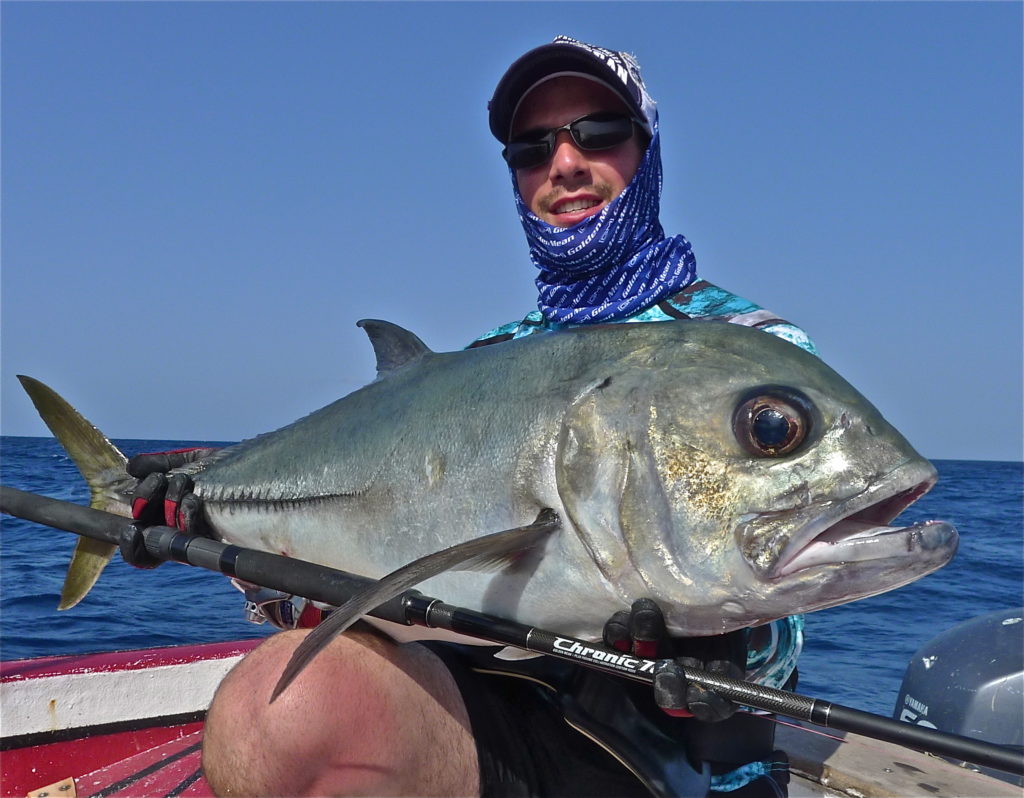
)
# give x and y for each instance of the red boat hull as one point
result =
(142, 738)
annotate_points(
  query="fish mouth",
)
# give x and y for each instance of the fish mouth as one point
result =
(853, 530)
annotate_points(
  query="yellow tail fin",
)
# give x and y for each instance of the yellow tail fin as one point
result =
(102, 465)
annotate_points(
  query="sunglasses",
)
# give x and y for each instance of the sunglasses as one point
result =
(600, 131)
(263, 604)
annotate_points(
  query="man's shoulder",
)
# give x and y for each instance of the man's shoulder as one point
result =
(533, 322)
(706, 301)
(700, 300)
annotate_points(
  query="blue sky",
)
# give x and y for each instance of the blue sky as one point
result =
(200, 199)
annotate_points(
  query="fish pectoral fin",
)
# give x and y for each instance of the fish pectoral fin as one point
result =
(499, 548)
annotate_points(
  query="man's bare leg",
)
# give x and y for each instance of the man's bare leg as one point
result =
(366, 717)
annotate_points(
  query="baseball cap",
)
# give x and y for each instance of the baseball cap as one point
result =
(566, 56)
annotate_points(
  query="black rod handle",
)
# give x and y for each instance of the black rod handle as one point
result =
(287, 574)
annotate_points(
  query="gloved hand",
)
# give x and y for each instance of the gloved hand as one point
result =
(160, 498)
(641, 631)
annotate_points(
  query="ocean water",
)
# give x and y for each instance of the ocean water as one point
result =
(854, 655)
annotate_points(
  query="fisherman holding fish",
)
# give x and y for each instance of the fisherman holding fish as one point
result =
(371, 717)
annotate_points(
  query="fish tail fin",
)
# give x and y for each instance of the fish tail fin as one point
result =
(101, 464)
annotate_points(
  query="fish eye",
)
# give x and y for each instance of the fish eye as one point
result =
(772, 422)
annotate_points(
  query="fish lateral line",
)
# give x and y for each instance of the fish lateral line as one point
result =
(269, 504)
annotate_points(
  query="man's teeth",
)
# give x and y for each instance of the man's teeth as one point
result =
(576, 205)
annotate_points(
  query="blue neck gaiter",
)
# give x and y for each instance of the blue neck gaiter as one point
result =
(614, 264)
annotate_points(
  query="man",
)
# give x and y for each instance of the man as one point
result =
(369, 717)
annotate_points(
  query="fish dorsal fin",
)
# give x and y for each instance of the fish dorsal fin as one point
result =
(394, 346)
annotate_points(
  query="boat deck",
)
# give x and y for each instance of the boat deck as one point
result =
(171, 768)
(827, 763)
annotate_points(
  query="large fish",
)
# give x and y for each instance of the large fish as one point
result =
(721, 471)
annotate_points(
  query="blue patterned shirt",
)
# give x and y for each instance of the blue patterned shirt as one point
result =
(699, 300)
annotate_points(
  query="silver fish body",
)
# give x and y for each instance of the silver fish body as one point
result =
(724, 472)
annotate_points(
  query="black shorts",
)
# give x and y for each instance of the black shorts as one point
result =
(524, 746)
(527, 749)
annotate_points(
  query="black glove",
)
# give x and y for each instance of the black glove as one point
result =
(162, 498)
(142, 465)
(641, 631)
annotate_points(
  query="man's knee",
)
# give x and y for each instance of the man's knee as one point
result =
(353, 723)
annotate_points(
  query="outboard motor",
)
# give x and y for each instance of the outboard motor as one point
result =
(970, 681)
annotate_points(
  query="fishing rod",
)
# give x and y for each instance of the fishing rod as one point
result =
(334, 587)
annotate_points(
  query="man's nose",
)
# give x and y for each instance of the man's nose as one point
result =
(567, 159)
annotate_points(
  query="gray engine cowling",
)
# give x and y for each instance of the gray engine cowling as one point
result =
(970, 681)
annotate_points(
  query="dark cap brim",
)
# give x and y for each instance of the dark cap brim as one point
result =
(526, 71)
